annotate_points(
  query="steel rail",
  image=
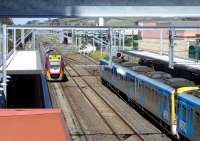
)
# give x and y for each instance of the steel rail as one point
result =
(134, 130)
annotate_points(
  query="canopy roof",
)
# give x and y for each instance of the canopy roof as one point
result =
(100, 8)
(32, 125)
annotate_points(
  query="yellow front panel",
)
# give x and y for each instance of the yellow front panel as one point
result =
(54, 57)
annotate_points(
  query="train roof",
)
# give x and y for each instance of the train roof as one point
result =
(144, 78)
(187, 97)
(32, 125)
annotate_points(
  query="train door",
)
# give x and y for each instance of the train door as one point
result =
(136, 89)
(185, 119)
(140, 92)
(164, 108)
(132, 88)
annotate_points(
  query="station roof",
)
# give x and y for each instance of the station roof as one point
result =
(177, 61)
(24, 62)
(100, 8)
(32, 125)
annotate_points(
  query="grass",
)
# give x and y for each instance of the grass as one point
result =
(97, 55)
(71, 53)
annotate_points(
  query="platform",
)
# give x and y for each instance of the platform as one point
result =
(24, 62)
(177, 61)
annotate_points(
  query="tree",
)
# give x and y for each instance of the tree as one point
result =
(7, 21)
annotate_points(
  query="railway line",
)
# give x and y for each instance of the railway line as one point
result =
(92, 112)
(119, 128)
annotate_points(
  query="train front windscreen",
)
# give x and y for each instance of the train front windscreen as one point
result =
(55, 67)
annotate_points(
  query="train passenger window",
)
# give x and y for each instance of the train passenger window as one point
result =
(183, 113)
(190, 114)
(152, 90)
(139, 87)
(132, 81)
(155, 92)
(165, 101)
(147, 88)
(197, 114)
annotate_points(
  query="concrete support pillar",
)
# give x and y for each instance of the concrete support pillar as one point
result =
(171, 48)
(22, 38)
(14, 40)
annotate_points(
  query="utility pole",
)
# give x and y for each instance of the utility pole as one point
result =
(33, 39)
(22, 38)
(171, 47)
(101, 39)
(123, 41)
(4, 59)
(14, 40)
(161, 42)
(110, 48)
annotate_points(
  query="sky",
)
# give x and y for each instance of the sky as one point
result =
(25, 20)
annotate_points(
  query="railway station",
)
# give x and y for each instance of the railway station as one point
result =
(100, 70)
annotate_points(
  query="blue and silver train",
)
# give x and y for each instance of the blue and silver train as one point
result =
(174, 101)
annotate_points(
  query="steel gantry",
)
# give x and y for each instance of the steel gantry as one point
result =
(110, 30)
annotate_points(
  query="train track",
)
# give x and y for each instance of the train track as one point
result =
(141, 136)
(119, 136)
(88, 114)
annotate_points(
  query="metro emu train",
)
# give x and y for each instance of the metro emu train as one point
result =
(54, 65)
(174, 101)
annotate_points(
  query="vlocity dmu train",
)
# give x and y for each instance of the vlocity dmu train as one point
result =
(54, 65)
(174, 101)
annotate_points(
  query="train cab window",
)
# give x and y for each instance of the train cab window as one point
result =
(54, 65)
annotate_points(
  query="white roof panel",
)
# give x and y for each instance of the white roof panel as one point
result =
(25, 62)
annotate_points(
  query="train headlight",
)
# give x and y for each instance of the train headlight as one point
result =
(121, 71)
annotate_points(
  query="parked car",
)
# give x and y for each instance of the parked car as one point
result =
(86, 49)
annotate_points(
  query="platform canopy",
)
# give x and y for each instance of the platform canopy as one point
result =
(24, 62)
(100, 8)
(32, 125)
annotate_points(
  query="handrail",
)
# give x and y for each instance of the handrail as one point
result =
(26, 35)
